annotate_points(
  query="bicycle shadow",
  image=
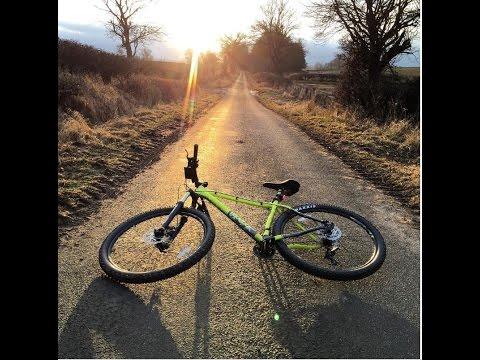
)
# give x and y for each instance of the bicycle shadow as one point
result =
(349, 328)
(202, 307)
(111, 317)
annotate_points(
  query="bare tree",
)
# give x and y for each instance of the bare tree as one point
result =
(276, 18)
(121, 26)
(377, 31)
(234, 51)
(273, 31)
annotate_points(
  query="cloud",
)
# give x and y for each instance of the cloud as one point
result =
(93, 35)
(319, 53)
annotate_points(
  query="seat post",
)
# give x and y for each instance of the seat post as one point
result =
(271, 215)
(279, 195)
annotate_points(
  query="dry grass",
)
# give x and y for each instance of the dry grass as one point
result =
(99, 101)
(388, 154)
(150, 90)
(94, 160)
(74, 128)
(89, 95)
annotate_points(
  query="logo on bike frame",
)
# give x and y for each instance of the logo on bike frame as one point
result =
(241, 223)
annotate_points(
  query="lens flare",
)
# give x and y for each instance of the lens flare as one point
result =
(276, 317)
(191, 93)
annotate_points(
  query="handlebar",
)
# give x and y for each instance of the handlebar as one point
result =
(195, 151)
(191, 168)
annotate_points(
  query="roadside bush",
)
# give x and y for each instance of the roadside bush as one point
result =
(101, 86)
(379, 95)
(80, 58)
(396, 97)
(403, 95)
(226, 80)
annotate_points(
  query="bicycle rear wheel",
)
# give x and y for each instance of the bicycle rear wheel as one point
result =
(355, 251)
(132, 252)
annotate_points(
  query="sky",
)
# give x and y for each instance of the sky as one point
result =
(191, 24)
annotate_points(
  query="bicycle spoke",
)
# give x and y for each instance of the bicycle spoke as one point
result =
(134, 252)
(354, 247)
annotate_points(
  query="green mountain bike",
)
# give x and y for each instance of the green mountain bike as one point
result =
(322, 240)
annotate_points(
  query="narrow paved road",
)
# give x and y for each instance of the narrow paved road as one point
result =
(225, 305)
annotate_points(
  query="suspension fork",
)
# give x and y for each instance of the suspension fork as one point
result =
(183, 219)
(176, 209)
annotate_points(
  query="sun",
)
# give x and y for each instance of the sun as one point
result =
(200, 28)
(199, 25)
(200, 39)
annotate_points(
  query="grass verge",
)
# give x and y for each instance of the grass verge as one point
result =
(95, 160)
(387, 155)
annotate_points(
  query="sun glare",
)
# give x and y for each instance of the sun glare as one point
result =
(201, 23)
(190, 95)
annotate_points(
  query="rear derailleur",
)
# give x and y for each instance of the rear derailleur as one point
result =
(331, 241)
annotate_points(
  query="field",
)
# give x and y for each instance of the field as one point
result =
(408, 71)
(326, 80)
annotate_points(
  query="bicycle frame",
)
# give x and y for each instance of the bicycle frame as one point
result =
(275, 206)
(214, 197)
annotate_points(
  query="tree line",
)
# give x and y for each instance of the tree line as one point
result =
(270, 46)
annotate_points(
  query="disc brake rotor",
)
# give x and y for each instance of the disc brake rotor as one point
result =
(151, 239)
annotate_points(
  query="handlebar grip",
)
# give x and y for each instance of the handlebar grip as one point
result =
(195, 150)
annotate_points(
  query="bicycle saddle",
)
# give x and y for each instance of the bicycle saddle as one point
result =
(289, 187)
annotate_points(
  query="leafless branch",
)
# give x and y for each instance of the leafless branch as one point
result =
(121, 26)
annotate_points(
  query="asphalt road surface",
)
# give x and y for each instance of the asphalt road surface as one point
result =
(224, 306)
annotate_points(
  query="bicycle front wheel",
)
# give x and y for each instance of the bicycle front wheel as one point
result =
(354, 250)
(132, 254)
